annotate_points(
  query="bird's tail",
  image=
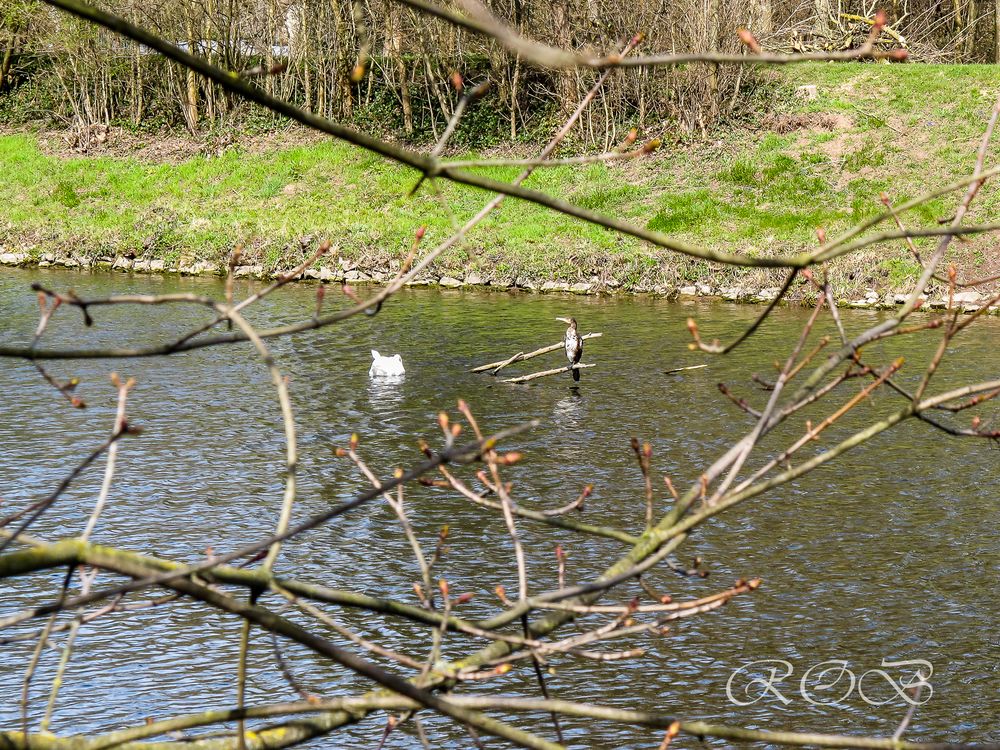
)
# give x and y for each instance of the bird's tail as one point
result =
(576, 375)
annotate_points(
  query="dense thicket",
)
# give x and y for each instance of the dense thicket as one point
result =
(52, 63)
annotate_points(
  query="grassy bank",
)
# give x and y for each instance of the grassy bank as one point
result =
(764, 187)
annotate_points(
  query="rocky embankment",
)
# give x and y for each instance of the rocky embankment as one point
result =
(343, 270)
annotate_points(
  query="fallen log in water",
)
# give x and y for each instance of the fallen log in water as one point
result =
(543, 373)
(521, 356)
(682, 369)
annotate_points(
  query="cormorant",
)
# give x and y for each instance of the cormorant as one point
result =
(574, 345)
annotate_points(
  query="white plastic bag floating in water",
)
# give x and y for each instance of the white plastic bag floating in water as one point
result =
(386, 367)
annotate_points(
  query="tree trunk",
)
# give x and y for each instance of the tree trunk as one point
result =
(191, 99)
(302, 45)
(394, 48)
(969, 44)
(760, 18)
(711, 44)
(346, 46)
(514, 79)
(210, 53)
(996, 28)
(138, 99)
(269, 47)
(562, 17)
(5, 64)
(823, 14)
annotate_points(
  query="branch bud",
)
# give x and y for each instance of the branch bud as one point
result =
(320, 295)
(630, 138)
(673, 730)
(502, 595)
(670, 486)
(749, 40)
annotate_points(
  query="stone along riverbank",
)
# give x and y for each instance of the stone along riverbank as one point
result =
(342, 270)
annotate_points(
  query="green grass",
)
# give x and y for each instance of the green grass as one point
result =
(203, 207)
(902, 129)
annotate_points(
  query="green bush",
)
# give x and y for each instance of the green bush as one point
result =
(742, 172)
(65, 195)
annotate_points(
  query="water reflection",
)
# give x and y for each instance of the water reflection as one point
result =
(888, 555)
(569, 413)
(385, 394)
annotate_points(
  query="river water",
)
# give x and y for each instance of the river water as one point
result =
(892, 554)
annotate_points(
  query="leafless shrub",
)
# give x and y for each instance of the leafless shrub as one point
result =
(527, 626)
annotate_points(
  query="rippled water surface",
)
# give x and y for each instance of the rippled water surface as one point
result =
(892, 553)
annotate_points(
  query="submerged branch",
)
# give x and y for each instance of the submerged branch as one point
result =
(546, 373)
(521, 356)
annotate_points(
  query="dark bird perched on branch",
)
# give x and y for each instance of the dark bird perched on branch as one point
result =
(574, 345)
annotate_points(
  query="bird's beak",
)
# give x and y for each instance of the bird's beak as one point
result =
(564, 320)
